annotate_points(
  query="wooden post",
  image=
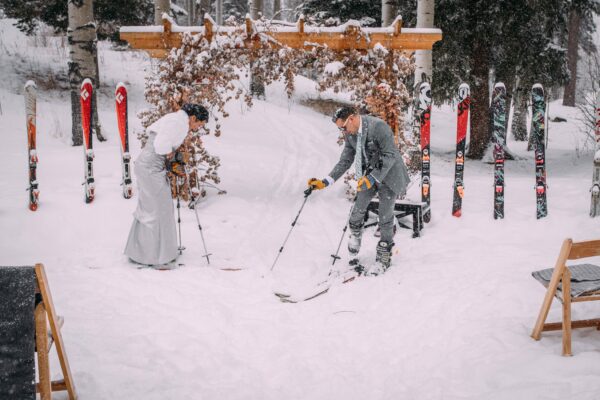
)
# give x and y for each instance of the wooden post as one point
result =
(208, 29)
(300, 24)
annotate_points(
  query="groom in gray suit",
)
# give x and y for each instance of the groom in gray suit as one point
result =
(369, 146)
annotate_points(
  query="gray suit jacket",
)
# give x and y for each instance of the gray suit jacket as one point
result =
(384, 161)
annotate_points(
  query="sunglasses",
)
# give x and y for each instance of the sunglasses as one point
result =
(343, 127)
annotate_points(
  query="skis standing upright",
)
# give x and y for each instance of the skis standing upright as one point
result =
(121, 107)
(86, 125)
(462, 123)
(30, 113)
(424, 118)
(595, 207)
(538, 132)
(499, 137)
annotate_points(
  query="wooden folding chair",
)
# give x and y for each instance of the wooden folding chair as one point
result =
(566, 293)
(47, 332)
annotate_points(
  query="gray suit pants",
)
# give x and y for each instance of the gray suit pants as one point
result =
(387, 198)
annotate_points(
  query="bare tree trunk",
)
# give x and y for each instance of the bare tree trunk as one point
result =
(83, 62)
(257, 87)
(519, 121)
(423, 62)
(277, 9)
(204, 8)
(160, 7)
(480, 107)
(388, 12)
(572, 56)
(218, 12)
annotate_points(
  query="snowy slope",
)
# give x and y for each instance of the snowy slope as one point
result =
(450, 320)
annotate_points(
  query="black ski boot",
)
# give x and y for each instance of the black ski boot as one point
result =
(383, 259)
(354, 239)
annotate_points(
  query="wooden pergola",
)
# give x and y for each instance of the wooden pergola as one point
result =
(159, 40)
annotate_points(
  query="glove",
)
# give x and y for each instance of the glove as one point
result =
(365, 183)
(317, 183)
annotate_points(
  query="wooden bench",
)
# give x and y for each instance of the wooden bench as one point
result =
(402, 209)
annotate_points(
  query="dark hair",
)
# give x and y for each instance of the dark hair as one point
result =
(343, 113)
(196, 110)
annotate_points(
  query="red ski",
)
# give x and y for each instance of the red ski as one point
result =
(30, 113)
(462, 123)
(121, 107)
(86, 125)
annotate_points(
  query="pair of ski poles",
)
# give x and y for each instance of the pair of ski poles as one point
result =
(193, 204)
(335, 256)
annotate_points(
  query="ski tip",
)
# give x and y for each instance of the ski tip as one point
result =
(500, 85)
(86, 80)
(121, 85)
(425, 86)
(33, 206)
(537, 85)
(464, 86)
(29, 84)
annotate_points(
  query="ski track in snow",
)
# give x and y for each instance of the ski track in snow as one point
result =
(450, 320)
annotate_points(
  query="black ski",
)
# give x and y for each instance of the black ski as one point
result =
(499, 138)
(538, 124)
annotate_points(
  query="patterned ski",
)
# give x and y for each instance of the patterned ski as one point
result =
(30, 113)
(86, 125)
(424, 118)
(121, 108)
(462, 123)
(499, 140)
(538, 130)
(595, 207)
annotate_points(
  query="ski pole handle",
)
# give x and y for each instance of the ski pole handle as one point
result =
(308, 191)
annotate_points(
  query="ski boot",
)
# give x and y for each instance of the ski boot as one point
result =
(383, 259)
(354, 239)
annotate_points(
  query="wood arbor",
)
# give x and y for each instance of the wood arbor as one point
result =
(159, 40)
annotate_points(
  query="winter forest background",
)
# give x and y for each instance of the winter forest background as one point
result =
(451, 318)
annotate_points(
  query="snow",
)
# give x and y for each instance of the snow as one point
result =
(450, 320)
(334, 68)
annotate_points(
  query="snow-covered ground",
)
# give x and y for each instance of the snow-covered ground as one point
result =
(450, 320)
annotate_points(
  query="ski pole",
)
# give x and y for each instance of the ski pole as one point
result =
(307, 193)
(195, 203)
(180, 248)
(335, 256)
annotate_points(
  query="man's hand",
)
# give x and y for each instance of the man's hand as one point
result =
(365, 183)
(317, 183)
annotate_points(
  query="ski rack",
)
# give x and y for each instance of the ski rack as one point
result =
(158, 40)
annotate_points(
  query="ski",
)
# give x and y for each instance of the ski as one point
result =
(335, 277)
(30, 114)
(86, 125)
(499, 140)
(425, 124)
(538, 130)
(121, 108)
(462, 123)
(595, 207)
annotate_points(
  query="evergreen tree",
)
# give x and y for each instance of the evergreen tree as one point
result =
(109, 14)
(336, 12)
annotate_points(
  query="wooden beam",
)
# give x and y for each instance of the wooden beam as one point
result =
(158, 40)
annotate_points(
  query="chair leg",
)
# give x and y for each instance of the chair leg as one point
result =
(41, 342)
(566, 328)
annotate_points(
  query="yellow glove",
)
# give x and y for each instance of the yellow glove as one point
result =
(317, 183)
(366, 182)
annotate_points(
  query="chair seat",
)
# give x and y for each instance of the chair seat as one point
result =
(585, 279)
